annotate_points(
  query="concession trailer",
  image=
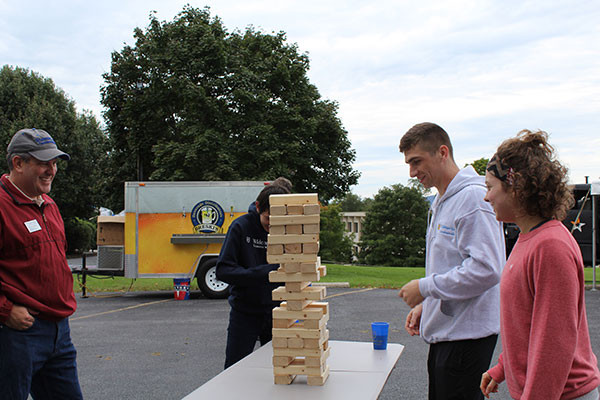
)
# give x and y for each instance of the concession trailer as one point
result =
(172, 230)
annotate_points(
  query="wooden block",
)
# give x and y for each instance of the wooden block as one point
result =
(277, 230)
(311, 343)
(295, 287)
(279, 342)
(297, 305)
(311, 209)
(316, 323)
(298, 333)
(321, 304)
(280, 276)
(277, 210)
(286, 258)
(282, 361)
(295, 343)
(291, 238)
(310, 228)
(318, 380)
(298, 352)
(308, 268)
(317, 361)
(283, 379)
(275, 249)
(323, 270)
(295, 198)
(314, 362)
(298, 367)
(275, 220)
(290, 267)
(292, 248)
(300, 370)
(309, 312)
(283, 323)
(310, 248)
(308, 293)
(295, 209)
(293, 229)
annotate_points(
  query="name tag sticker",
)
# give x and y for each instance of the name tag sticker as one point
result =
(33, 226)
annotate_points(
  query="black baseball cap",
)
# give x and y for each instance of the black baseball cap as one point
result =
(37, 143)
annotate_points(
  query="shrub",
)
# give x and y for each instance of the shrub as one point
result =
(81, 235)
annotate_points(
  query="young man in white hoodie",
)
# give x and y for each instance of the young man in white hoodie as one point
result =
(456, 307)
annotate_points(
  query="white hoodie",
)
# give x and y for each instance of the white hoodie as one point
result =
(463, 264)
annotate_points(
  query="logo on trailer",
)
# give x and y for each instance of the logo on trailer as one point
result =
(207, 217)
(577, 225)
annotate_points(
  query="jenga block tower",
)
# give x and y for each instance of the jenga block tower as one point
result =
(300, 335)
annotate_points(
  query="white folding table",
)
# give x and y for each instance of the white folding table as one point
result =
(356, 371)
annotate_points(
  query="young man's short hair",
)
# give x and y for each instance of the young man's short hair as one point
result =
(263, 196)
(285, 182)
(428, 136)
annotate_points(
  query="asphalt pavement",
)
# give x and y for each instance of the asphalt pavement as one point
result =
(146, 345)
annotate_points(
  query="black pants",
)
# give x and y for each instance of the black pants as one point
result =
(243, 332)
(455, 368)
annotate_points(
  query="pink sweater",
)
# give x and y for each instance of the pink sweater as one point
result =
(543, 325)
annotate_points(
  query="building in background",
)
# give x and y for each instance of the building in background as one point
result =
(353, 226)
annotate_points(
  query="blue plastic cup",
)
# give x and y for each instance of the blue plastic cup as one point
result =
(380, 335)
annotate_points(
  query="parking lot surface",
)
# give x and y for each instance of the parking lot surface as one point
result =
(146, 345)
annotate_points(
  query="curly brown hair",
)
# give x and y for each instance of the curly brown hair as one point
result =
(540, 180)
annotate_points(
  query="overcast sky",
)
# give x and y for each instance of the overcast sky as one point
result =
(483, 70)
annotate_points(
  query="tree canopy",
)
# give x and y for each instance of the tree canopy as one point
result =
(335, 245)
(353, 202)
(480, 165)
(393, 232)
(191, 101)
(28, 100)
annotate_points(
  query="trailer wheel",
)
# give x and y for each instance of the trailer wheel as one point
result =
(208, 283)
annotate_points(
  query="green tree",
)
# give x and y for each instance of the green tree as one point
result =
(393, 232)
(353, 202)
(480, 165)
(414, 183)
(191, 101)
(335, 245)
(28, 100)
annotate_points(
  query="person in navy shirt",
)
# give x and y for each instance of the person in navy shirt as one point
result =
(242, 264)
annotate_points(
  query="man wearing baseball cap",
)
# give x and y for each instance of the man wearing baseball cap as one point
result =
(36, 284)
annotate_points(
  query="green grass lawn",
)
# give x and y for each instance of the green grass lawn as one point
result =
(120, 284)
(368, 276)
(356, 276)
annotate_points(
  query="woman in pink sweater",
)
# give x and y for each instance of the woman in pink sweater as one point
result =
(545, 339)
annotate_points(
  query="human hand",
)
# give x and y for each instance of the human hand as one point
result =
(413, 320)
(20, 318)
(411, 294)
(488, 385)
